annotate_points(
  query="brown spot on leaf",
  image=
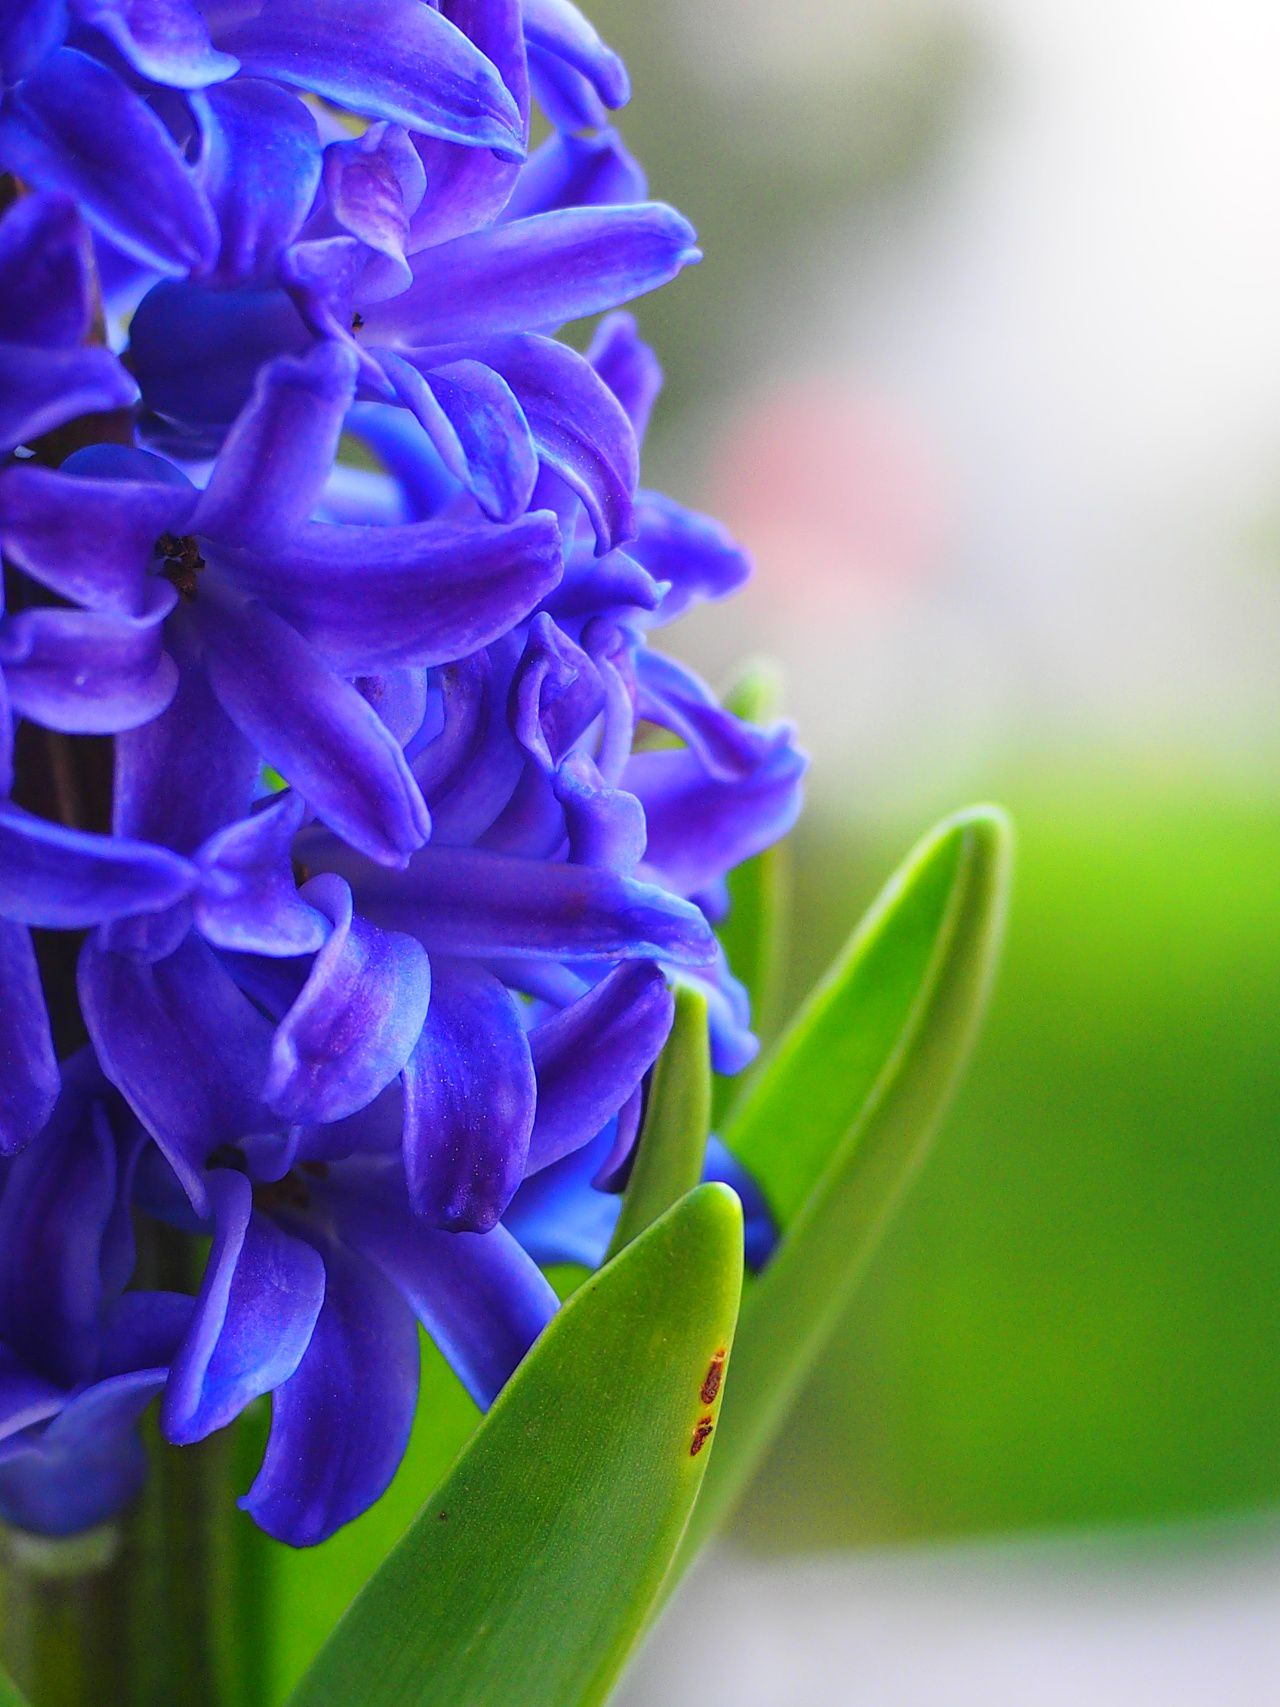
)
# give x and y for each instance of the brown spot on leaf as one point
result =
(711, 1385)
(701, 1435)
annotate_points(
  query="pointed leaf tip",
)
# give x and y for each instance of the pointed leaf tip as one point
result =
(839, 1120)
(673, 1141)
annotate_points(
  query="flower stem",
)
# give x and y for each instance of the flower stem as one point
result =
(168, 1604)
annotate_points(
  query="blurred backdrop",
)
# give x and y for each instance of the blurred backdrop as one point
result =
(983, 364)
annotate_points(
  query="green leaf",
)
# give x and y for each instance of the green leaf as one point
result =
(668, 1159)
(10, 1694)
(839, 1121)
(754, 932)
(531, 1572)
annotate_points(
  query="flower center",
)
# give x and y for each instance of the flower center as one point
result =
(180, 561)
(291, 1192)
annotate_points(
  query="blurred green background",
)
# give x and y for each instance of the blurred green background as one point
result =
(1076, 1319)
(982, 364)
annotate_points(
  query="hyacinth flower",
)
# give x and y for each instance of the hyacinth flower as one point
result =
(446, 314)
(200, 1063)
(275, 612)
(172, 905)
(682, 818)
(364, 859)
(526, 762)
(100, 98)
(440, 266)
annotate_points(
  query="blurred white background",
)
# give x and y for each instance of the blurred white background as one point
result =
(1026, 1626)
(1040, 399)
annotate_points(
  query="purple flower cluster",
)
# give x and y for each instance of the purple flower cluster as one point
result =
(353, 829)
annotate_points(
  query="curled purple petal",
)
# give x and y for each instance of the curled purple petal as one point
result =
(673, 698)
(470, 903)
(65, 879)
(192, 737)
(469, 1094)
(261, 1294)
(46, 272)
(186, 1048)
(394, 59)
(694, 554)
(340, 1423)
(90, 672)
(482, 1299)
(628, 367)
(496, 456)
(42, 389)
(700, 826)
(30, 1079)
(577, 171)
(373, 598)
(374, 183)
(165, 41)
(85, 1464)
(260, 166)
(74, 125)
(247, 899)
(579, 428)
(89, 538)
(470, 186)
(538, 273)
(557, 27)
(605, 826)
(591, 1057)
(278, 455)
(358, 1017)
(315, 728)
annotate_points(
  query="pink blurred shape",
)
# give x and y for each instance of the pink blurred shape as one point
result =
(837, 494)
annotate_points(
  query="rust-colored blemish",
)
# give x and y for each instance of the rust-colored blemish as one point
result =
(711, 1386)
(701, 1435)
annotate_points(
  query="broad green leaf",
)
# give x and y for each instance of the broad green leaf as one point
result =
(530, 1573)
(668, 1158)
(839, 1121)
